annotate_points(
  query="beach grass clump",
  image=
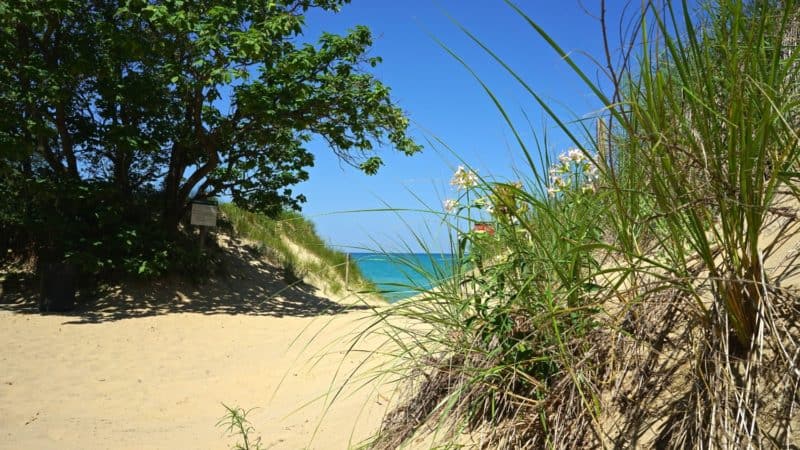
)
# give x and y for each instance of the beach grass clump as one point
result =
(627, 292)
(284, 237)
(710, 122)
(236, 424)
(710, 126)
(515, 323)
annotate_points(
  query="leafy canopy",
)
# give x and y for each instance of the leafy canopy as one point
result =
(195, 99)
(118, 113)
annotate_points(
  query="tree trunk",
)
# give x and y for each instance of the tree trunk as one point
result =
(66, 141)
(59, 283)
(171, 215)
(176, 194)
(122, 164)
(173, 204)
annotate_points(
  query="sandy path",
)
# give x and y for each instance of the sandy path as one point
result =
(156, 382)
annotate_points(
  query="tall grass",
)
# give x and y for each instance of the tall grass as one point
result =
(280, 238)
(632, 306)
(709, 122)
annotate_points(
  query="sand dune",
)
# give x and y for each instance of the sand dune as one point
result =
(148, 367)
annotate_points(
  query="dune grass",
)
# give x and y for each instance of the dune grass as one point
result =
(276, 238)
(623, 298)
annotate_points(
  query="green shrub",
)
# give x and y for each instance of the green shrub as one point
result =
(101, 231)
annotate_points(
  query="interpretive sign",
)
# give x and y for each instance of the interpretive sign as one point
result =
(204, 214)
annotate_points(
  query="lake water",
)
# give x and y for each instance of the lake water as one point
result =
(403, 275)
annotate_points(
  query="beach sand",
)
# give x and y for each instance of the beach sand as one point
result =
(158, 382)
(149, 367)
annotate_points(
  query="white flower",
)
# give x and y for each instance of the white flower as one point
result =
(464, 179)
(450, 205)
(591, 172)
(575, 155)
(551, 192)
(564, 159)
(489, 208)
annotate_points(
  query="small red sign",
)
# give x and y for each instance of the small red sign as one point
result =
(483, 227)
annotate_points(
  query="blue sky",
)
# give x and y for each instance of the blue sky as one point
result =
(446, 103)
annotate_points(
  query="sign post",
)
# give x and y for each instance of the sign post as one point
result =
(347, 272)
(204, 215)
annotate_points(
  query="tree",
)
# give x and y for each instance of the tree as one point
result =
(190, 99)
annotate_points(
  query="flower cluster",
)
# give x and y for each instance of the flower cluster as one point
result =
(464, 179)
(573, 170)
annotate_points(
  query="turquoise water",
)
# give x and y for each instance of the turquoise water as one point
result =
(403, 275)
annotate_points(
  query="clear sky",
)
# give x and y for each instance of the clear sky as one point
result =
(445, 102)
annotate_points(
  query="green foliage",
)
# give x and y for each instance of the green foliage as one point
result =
(101, 231)
(535, 293)
(112, 105)
(77, 74)
(515, 319)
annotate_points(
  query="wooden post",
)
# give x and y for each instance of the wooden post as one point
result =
(203, 231)
(603, 142)
(347, 271)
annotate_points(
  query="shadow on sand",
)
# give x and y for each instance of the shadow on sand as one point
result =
(249, 286)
